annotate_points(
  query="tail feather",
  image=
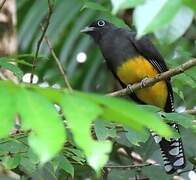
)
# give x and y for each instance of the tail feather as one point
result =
(172, 152)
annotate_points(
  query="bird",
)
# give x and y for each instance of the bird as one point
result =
(132, 60)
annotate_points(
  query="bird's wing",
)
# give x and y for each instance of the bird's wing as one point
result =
(145, 47)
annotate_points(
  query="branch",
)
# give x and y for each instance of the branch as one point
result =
(2, 4)
(46, 24)
(132, 166)
(61, 69)
(151, 81)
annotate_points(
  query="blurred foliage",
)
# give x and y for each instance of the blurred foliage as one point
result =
(172, 26)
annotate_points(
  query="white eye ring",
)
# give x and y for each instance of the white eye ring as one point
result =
(101, 23)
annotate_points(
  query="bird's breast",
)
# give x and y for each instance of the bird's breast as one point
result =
(137, 68)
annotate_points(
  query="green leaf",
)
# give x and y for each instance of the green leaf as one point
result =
(103, 132)
(93, 5)
(178, 92)
(80, 112)
(63, 163)
(177, 27)
(135, 137)
(7, 109)
(124, 4)
(184, 80)
(76, 154)
(154, 14)
(185, 120)
(121, 174)
(129, 114)
(13, 68)
(48, 134)
(11, 162)
(152, 172)
(27, 165)
(190, 3)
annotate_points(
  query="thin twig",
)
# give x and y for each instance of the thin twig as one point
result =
(16, 136)
(132, 166)
(61, 69)
(151, 81)
(46, 24)
(11, 154)
(2, 4)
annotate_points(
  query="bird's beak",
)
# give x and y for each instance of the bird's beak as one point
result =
(87, 29)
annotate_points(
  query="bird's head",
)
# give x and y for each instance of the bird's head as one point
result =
(98, 29)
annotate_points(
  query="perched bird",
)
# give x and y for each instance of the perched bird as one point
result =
(132, 60)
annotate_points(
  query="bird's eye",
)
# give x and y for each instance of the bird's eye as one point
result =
(101, 23)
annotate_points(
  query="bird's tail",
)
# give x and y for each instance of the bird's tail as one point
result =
(172, 152)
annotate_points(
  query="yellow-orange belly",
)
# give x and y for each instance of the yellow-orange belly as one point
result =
(136, 69)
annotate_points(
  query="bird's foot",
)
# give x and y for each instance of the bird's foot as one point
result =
(129, 87)
(143, 82)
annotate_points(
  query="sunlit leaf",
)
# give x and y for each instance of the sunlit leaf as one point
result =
(177, 26)
(124, 4)
(190, 3)
(127, 113)
(80, 113)
(154, 14)
(38, 114)
(7, 110)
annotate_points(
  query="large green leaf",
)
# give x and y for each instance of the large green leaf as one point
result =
(124, 4)
(127, 113)
(93, 5)
(185, 120)
(190, 3)
(154, 14)
(7, 109)
(80, 112)
(177, 27)
(38, 114)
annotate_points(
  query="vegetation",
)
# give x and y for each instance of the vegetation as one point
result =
(66, 127)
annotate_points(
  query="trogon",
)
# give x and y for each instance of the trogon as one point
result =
(131, 60)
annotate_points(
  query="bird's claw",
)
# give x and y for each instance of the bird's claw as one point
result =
(143, 82)
(129, 87)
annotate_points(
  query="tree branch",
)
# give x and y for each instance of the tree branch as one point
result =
(60, 67)
(132, 166)
(2, 4)
(46, 24)
(151, 81)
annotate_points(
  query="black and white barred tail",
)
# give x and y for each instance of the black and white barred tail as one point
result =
(172, 152)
